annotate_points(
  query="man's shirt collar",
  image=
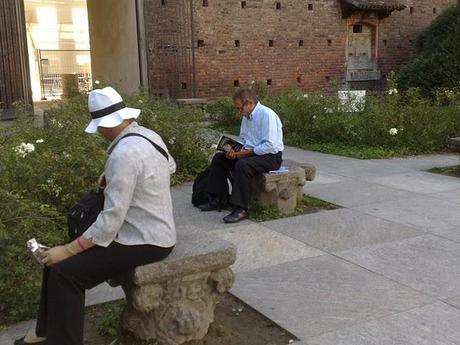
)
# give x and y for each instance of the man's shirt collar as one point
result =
(256, 108)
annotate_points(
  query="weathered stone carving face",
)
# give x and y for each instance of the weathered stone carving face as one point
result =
(177, 309)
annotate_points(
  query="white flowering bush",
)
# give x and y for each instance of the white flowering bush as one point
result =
(44, 171)
(389, 123)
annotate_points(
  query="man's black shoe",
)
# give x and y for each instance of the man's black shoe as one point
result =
(236, 215)
(214, 204)
(22, 342)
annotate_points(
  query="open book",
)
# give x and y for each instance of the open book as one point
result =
(227, 143)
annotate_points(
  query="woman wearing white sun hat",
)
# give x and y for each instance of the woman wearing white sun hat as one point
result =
(136, 226)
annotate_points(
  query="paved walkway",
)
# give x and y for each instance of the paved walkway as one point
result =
(384, 269)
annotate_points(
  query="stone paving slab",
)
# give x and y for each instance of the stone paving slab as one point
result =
(325, 178)
(423, 212)
(190, 220)
(423, 162)
(418, 182)
(341, 229)
(312, 296)
(350, 193)
(451, 195)
(434, 324)
(258, 246)
(454, 301)
(426, 263)
(103, 293)
(17, 331)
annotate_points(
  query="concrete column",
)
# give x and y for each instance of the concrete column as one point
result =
(114, 43)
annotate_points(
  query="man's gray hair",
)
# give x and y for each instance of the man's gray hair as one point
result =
(245, 95)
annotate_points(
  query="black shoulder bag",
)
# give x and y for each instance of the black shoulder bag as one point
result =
(82, 215)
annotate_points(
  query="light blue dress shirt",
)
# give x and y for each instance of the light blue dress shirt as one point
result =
(262, 131)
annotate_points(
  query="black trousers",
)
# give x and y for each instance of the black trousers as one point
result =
(62, 301)
(242, 171)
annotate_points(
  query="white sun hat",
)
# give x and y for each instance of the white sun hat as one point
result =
(107, 109)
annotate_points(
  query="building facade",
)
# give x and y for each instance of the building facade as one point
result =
(206, 48)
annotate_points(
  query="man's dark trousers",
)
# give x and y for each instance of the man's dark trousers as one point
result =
(242, 171)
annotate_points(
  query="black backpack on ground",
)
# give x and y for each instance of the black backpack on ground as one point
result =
(199, 194)
(85, 212)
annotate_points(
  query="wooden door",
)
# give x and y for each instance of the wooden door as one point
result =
(360, 48)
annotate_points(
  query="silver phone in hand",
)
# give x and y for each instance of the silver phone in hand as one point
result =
(35, 249)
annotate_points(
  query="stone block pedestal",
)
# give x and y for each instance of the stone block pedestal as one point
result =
(173, 301)
(283, 190)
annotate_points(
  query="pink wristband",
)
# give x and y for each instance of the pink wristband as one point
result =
(80, 245)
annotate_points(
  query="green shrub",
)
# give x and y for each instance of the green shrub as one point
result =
(390, 124)
(39, 185)
(222, 111)
(436, 62)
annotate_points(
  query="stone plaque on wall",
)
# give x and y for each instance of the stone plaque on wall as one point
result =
(358, 75)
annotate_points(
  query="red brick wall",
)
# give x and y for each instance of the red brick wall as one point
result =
(220, 65)
(401, 29)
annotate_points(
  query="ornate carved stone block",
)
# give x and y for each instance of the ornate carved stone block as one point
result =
(173, 301)
(284, 190)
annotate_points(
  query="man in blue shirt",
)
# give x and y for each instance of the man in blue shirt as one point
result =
(262, 136)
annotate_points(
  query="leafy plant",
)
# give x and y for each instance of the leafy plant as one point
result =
(436, 63)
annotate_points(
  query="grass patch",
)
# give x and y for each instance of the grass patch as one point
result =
(449, 171)
(353, 151)
(107, 318)
(309, 204)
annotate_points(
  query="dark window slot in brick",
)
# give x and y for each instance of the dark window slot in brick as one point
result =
(163, 2)
(300, 43)
(269, 82)
(271, 43)
(278, 5)
(299, 79)
(237, 43)
(410, 41)
(329, 42)
(205, 3)
(236, 83)
(385, 43)
(328, 78)
(434, 10)
(357, 28)
(184, 85)
(310, 7)
(200, 43)
(411, 10)
(243, 4)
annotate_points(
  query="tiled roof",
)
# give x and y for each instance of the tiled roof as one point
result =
(375, 5)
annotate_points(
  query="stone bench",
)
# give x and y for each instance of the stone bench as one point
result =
(284, 190)
(173, 301)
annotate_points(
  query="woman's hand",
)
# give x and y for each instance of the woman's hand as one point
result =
(55, 255)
